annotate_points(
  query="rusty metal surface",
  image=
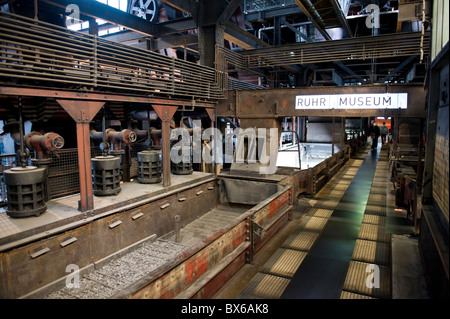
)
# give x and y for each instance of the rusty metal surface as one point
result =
(105, 236)
(185, 270)
(276, 103)
(82, 113)
(97, 239)
(165, 113)
(195, 272)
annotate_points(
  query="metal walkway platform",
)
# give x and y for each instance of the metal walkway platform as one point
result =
(341, 250)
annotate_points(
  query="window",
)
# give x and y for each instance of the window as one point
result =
(84, 25)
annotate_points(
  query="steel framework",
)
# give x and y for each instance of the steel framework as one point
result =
(43, 54)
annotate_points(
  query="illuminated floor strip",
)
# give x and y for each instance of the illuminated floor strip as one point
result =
(372, 252)
(264, 286)
(363, 279)
(323, 271)
(284, 263)
(273, 278)
(369, 273)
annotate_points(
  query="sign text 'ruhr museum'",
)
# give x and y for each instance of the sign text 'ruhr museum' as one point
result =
(353, 101)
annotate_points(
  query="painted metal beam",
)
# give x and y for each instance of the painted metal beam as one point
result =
(83, 112)
(342, 19)
(276, 103)
(95, 9)
(229, 11)
(272, 13)
(105, 97)
(165, 113)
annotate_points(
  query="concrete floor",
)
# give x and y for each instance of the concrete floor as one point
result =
(408, 279)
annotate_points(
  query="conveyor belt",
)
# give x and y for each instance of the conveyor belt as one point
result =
(341, 239)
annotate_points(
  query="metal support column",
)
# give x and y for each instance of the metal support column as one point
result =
(83, 112)
(165, 113)
(212, 117)
(333, 132)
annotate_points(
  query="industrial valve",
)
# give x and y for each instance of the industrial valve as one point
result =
(114, 138)
(125, 136)
(41, 144)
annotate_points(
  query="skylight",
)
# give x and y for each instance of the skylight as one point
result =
(84, 25)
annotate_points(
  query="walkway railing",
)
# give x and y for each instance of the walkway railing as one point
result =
(353, 49)
(38, 53)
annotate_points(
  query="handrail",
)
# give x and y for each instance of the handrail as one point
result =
(361, 48)
(38, 53)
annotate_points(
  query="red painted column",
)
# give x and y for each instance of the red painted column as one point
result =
(165, 113)
(83, 112)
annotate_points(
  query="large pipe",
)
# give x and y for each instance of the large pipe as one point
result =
(115, 138)
(39, 143)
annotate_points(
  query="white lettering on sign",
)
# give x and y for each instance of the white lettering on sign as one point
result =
(352, 101)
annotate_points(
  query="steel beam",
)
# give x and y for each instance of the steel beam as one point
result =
(182, 5)
(273, 12)
(165, 113)
(313, 19)
(95, 9)
(398, 69)
(229, 11)
(91, 96)
(276, 103)
(342, 19)
(235, 34)
(83, 112)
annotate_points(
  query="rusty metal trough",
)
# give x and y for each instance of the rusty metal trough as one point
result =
(236, 230)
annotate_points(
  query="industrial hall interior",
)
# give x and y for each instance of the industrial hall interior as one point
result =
(224, 150)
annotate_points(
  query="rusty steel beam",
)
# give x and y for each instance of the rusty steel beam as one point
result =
(95, 9)
(92, 96)
(83, 112)
(165, 113)
(276, 103)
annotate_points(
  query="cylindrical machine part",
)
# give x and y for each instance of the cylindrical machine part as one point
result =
(26, 191)
(106, 175)
(41, 144)
(150, 167)
(184, 167)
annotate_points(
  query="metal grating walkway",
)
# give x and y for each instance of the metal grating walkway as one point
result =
(341, 248)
